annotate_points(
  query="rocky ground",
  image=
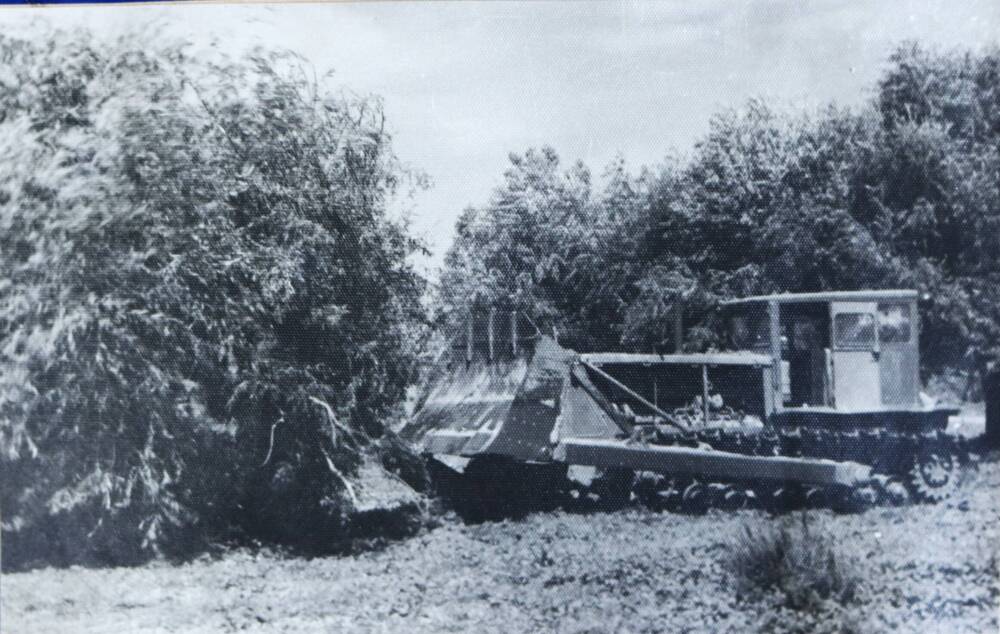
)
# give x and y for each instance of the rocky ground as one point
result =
(922, 568)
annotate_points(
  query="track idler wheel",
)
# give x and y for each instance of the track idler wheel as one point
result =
(612, 489)
(934, 475)
(648, 489)
(784, 497)
(855, 499)
(695, 498)
(817, 497)
(892, 491)
(735, 499)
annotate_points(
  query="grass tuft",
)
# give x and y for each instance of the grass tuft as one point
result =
(799, 561)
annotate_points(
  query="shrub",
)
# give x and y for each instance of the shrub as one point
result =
(206, 313)
(797, 560)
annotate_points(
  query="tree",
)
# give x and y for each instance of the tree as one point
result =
(205, 313)
(548, 246)
(762, 206)
(930, 190)
(520, 248)
(899, 192)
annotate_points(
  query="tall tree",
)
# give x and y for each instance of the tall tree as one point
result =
(902, 191)
(547, 245)
(930, 190)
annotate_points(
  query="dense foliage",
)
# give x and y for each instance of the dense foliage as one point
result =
(205, 312)
(546, 242)
(903, 192)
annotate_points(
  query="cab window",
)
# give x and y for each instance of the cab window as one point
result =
(894, 323)
(750, 331)
(854, 331)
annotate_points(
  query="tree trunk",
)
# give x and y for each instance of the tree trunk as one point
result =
(991, 394)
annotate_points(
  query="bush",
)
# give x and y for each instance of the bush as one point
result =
(796, 560)
(206, 314)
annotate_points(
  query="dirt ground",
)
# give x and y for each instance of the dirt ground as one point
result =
(924, 569)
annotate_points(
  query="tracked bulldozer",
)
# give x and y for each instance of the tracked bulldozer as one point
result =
(816, 400)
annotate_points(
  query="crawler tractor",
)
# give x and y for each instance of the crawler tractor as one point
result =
(817, 400)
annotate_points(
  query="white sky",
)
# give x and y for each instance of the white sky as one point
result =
(465, 83)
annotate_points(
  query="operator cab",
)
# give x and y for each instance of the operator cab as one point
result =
(849, 351)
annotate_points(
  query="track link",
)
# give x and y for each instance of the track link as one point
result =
(923, 467)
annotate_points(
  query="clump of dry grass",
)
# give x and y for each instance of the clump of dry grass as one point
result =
(796, 559)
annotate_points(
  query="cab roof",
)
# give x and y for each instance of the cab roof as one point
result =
(831, 296)
(698, 358)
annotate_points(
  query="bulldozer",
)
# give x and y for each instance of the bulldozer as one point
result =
(811, 398)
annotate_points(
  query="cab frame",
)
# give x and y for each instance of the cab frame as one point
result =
(842, 351)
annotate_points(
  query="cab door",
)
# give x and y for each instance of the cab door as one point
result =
(856, 382)
(899, 358)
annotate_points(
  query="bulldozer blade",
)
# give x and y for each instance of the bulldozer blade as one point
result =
(502, 407)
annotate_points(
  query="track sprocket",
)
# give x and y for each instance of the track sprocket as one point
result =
(934, 475)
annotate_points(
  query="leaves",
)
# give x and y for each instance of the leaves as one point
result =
(192, 249)
(900, 192)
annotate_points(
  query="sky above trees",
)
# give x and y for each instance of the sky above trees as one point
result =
(466, 83)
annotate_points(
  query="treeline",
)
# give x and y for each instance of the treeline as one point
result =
(206, 315)
(901, 192)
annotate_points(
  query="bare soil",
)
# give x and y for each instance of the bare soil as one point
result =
(924, 568)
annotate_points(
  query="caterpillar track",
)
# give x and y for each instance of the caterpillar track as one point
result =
(906, 467)
(922, 467)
